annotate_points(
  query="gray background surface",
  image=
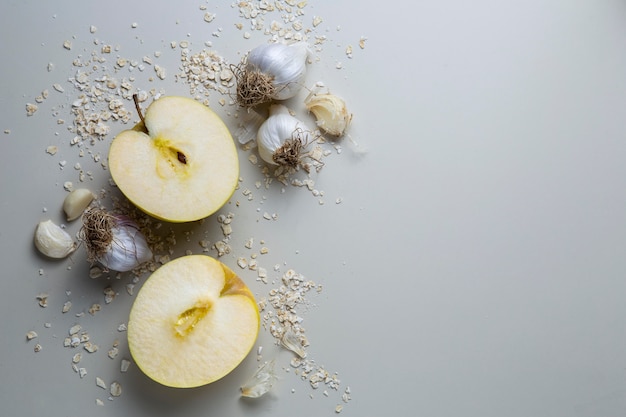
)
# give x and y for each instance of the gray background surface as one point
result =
(474, 267)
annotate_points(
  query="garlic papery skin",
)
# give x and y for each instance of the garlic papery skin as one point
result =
(282, 138)
(113, 240)
(53, 241)
(330, 111)
(76, 202)
(274, 71)
(260, 382)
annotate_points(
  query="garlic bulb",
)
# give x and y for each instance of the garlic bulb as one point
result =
(53, 241)
(113, 240)
(274, 71)
(282, 138)
(330, 112)
(260, 382)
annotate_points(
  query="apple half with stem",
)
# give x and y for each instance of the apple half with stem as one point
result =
(179, 164)
(193, 321)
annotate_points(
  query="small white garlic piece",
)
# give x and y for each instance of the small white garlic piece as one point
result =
(274, 71)
(261, 382)
(53, 241)
(330, 112)
(282, 138)
(76, 202)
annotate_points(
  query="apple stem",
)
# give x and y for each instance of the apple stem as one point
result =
(136, 100)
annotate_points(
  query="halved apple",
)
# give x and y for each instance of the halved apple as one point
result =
(179, 164)
(193, 321)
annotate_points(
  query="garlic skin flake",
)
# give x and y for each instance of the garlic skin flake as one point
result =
(274, 71)
(53, 241)
(290, 340)
(76, 202)
(330, 111)
(113, 240)
(260, 382)
(282, 138)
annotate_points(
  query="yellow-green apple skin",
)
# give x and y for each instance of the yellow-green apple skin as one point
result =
(193, 321)
(180, 164)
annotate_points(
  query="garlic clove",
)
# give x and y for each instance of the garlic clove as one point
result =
(53, 241)
(76, 202)
(330, 112)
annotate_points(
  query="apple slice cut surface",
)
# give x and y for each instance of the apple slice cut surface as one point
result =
(193, 321)
(180, 164)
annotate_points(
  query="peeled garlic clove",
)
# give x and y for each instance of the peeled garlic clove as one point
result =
(76, 202)
(53, 241)
(330, 112)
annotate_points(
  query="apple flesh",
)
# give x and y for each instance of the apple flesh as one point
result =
(179, 164)
(193, 321)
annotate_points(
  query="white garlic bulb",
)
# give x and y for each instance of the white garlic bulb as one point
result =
(330, 112)
(282, 138)
(274, 71)
(113, 240)
(53, 241)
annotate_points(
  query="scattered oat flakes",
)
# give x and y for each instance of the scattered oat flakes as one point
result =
(42, 299)
(100, 383)
(116, 389)
(37, 348)
(113, 352)
(124, 365)
(94, 308)
(90, 347)
(67, 45)
(31, 335)
(160, 71)
(31, 109)
(242, 262)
